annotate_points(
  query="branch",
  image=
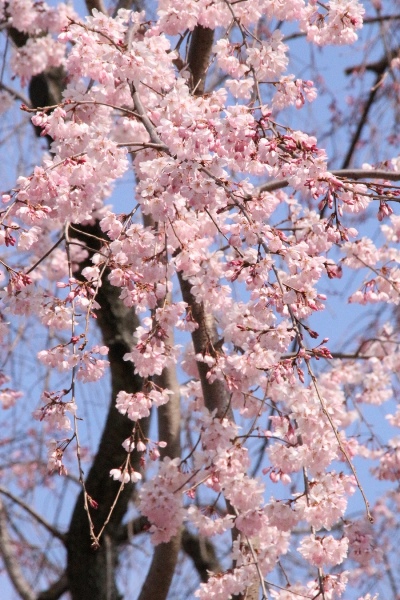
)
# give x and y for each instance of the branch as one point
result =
(97, 4)
(341, 355)
(367, 174)
(199, 56)
(56, 590)
(205, 338)
(136, 5)
(380, 19)
(202, 552)
(57, 534)
(378, 66)
(169, 414)
(151, 130)
(45, 89)
(10, 560)
(17, 95)
(366, 21)
(161, 571)
(134, 527)
(92, 574)
(362, 121)
(355, 174)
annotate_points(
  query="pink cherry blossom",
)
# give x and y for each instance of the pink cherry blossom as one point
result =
(217, 284)
(326, 550)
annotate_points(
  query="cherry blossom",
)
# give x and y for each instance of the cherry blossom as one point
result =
(137, 406)
(324, 551)
(219, 272)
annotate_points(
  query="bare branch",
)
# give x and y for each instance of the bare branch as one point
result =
(202, 552)
(366, 174)
(340, 355)
(10, 560)
(380, 19)
(17, 95)
(57, 534)
(169, 415)
(199, 56)
(378, 66)
(56, 590)
(136, 5)
(161, 572)
(362, 121)
(134, 527)
(151, 130)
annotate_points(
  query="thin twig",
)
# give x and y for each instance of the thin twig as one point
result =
(58, 242)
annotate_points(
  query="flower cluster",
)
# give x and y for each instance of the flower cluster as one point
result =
(238, 270)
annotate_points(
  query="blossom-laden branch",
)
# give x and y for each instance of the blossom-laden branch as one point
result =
(117, 324)
(347, 174)
(246, 308)
(165, 557)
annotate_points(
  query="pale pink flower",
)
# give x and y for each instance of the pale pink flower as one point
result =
(119, 475)
(324, 551)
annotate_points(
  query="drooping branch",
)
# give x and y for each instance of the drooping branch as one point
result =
(165, 556)
(205, 338)
(89, 569)
(90, 573)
